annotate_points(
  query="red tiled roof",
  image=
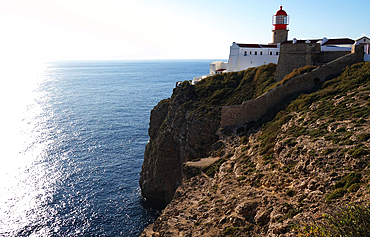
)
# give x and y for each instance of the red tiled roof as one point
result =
(257, 45)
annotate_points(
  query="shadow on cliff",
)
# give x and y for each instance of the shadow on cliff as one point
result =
(152, 209)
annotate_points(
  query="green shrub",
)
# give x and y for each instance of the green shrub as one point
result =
(270, 132)
(250, 164)
(244, 140)
(348, 180)
(328, 151)
(241, 178)
(290, 142)
(352, 221)
(290, 193)
(219, 200)
(212, 169)
(248, 171)
(230, 230)
(341, 129)
(293, 211)
(186, 83)
(268, 149)
(363, 137)
(338, 193)
(354, 187)
(204, 202)
(358, 152)
(244, 148)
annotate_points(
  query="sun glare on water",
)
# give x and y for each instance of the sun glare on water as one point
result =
(25, 182)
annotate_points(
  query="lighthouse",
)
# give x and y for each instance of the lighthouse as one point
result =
(280, 22)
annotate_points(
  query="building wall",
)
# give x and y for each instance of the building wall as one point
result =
(216, 65)
(252, 110)
(243, 58)
(247, 61)
(233, 57)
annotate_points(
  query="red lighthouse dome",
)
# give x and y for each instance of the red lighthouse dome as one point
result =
(280, 20)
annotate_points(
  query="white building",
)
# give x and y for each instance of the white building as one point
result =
(366, 42)
(244, 56)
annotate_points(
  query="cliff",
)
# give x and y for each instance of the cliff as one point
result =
(177, 134)
(183, 127)
(272, 180)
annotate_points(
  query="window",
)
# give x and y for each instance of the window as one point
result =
(250, 52)
(277, 53)
(270, 53)
(261, 53)
(280, 19)
(245, 53)
(255, 52)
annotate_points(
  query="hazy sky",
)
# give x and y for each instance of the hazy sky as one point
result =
(163, 29)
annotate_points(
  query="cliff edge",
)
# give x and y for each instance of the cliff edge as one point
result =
(309, 161)
(184, 127)
(178, 134)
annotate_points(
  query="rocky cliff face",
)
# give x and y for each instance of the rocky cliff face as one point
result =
(178, 133)
(310, 159)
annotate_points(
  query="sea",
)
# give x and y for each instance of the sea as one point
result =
(72, 141)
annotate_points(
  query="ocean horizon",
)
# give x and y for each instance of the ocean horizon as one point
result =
(73, 137)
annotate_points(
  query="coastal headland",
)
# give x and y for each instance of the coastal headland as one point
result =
(269, 176)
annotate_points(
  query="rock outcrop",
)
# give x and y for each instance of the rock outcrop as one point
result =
(178, 133)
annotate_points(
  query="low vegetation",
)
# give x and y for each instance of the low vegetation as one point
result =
(234, 88)
(353, 220)
(210, 94)
(334, 102)
(297, 72)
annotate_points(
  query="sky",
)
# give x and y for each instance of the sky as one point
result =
(49, 30)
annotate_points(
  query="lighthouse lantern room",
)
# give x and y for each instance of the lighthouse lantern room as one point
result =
(280, 22)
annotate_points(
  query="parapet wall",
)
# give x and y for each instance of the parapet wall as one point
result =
(253, 110)
(328, 56)
(294, 56)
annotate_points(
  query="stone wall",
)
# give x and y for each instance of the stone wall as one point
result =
(252, 110)
(328, 56)
(294, 56)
